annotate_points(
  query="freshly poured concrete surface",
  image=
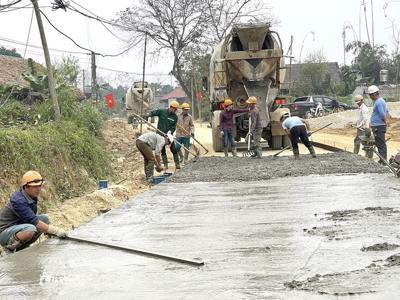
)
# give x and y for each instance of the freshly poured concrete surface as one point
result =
(253, 237)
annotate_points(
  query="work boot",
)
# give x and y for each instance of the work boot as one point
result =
(296, 153)
(181, 155)
(312, 151)
(14, 244)
(226, 152)
(176, 161)
(234, 151)
(149, 171)
(356, 148)
(165, 161)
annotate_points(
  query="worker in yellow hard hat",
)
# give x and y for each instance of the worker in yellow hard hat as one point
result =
(226, 125)
(255, 129)
(20, 225)
(184, 131)
(167, 120)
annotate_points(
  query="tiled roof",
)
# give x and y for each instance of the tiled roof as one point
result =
(178, 92)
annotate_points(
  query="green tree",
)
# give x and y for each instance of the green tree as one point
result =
(67, 71)
(8, 52)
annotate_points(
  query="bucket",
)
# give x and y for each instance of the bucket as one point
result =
(103, 184)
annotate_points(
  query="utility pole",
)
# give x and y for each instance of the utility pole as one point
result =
(83, 83)
(94, 79)
(192, 82)
(50, 78)
(144, 71)
(373, 25)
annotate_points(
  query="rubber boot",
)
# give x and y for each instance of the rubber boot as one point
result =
(186, 159)
(181, 155)
(234, 151)
(312, 151)
(356, 148)
(296, 153)
(257, 153)
(165, 161)
(14, 244)
(226, 152)
(150, 172)
(176, 161)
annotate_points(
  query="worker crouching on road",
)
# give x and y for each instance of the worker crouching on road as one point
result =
(184, 130)
(296, 128)
(146, 144)
(20, 225)
(255, 129)
(379, 120)
(362, 122)
(226, 126)
(167, 120)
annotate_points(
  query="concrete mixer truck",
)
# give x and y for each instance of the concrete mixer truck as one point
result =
(134, 101)
(249, 62)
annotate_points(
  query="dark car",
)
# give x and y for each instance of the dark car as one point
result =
(302, 105)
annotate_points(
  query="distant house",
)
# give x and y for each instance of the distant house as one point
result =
(293, 74)
(177, 94)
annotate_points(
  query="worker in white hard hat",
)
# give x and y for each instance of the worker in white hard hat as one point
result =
(379, 119)
(20, 225)
(167, 120)
(362, 121)
(296, 128)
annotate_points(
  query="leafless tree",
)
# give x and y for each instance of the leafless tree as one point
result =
(182, 25)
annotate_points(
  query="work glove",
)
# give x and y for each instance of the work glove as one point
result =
(309, 133)
(222, 132)
(160, 168)
(53, 230)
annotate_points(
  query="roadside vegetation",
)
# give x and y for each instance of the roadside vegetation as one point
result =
(68, 153)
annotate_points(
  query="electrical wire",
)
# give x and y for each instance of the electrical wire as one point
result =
(133, 73)
(3, 7)
(84, 48)
(29, 5)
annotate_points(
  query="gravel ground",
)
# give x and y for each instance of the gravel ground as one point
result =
(341, 119)
(220, 169)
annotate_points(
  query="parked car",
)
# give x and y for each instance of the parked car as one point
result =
(301, 106)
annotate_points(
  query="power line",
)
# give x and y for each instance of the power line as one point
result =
(133, 73)
(3, 7)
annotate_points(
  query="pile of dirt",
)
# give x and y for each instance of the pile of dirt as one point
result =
(221, 169)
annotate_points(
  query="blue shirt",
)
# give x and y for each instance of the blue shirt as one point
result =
(291, 122)
(379, 113)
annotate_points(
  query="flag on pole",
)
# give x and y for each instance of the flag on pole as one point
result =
(110, 102)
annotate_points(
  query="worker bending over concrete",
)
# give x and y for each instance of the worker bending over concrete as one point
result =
(226, 126)
(362, 122)
(20, 225)
(146, 144)
(167, 120)
(255, 127)
(297, 128)
(184, 130)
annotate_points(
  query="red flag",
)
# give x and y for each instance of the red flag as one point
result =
(200, 96)
(110, 102)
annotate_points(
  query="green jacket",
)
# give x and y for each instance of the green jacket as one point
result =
(166, 120)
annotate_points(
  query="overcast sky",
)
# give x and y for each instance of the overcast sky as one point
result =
(326, 18)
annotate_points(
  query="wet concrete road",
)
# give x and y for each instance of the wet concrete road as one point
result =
(253, 237)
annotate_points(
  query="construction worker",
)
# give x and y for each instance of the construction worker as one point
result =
(184, 130)
(379, 120)
(167, 120)
(362, 122)
(146, 144)
(297, 128)
(20, 225)
(226, 126)
(255, 129)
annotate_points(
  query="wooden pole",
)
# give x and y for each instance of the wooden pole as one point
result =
(50, 78)
(144, 71)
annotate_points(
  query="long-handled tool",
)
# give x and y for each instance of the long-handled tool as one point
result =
(248, 137)
(159, 131)
(205, 149)
(139, 251)
(290, 146)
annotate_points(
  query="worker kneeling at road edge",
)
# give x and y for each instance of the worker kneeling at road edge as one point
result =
(20, 225)
(146, 144)
(296, 128)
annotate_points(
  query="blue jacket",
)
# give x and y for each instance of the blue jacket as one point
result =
(379, 113)
(20, 209)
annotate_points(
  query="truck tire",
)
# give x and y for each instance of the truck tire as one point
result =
(276, 142)
(216, 140)
(285, 141)
(308, 115)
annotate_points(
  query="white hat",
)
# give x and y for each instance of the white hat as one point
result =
(372, 89)
(358, 98)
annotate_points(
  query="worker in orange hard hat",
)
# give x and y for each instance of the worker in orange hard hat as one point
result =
(226, 125)
(20, 225)
(184, 131)
(167, 120)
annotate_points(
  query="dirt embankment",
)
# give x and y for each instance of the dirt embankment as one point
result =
(127, 164)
